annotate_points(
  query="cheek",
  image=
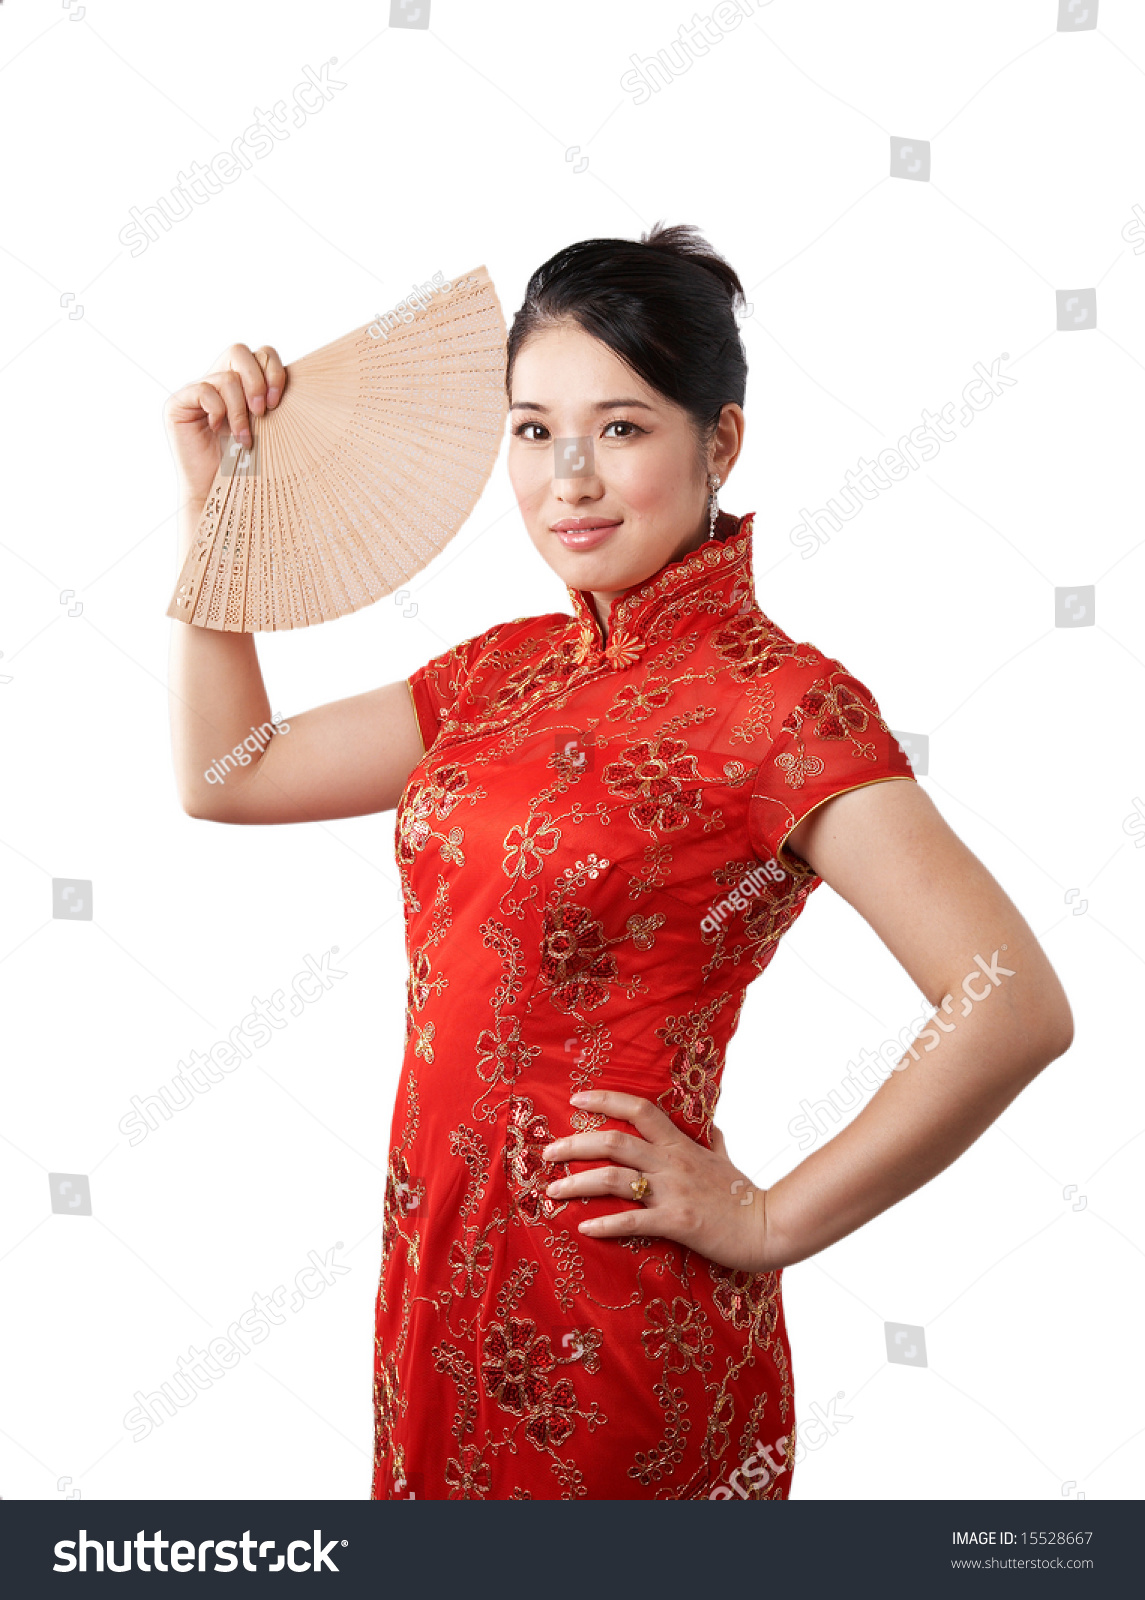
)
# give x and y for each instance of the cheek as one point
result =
(530, 474)
(653, 480)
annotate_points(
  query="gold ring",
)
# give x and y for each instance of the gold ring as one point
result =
(639, 1186)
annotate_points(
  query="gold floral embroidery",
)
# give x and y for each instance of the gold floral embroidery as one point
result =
(797, 769)
(468, 1477)
(516, 1366)
(749, 1300)
(528, 1133)
(576, 963)
(527, 847)
(752, 645)
(661, 778)
(675, 1333)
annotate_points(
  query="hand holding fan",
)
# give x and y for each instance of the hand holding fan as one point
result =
(373, 458)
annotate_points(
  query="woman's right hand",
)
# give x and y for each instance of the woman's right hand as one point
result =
(243, 381)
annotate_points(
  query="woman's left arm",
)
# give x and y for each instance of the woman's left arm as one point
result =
(1002, 1016)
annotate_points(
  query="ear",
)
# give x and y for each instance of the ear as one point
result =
(731, 432)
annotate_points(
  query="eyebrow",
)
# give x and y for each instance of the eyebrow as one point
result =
(601, 405)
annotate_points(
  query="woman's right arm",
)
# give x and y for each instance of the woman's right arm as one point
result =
(344, 759)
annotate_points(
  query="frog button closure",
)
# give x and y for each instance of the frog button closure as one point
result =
(623, 650)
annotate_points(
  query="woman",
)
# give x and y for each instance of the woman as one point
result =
(605, 824)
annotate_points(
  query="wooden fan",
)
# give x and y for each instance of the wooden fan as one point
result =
(372, 460)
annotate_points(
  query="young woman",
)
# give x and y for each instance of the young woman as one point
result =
(605, 823)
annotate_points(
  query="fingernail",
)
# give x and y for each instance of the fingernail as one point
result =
(272, 396)
(257, 405)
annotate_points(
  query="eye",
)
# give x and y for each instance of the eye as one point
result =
(621, 422)
(519, 431)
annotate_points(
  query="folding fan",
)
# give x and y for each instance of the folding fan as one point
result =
(372, 460)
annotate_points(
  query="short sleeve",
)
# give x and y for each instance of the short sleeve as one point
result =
(827, 737)
(436, 687)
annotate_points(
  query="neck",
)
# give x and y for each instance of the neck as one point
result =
(601, 599)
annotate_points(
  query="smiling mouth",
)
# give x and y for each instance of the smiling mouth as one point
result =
(589, 534)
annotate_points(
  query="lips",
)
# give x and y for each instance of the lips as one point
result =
(581, 533)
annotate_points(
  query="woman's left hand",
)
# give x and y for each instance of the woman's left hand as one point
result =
(694, 1195)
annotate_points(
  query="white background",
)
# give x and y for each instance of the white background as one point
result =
(874, 296)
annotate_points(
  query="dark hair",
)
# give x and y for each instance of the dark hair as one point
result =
(663, 304)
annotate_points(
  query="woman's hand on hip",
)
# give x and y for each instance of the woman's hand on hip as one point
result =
(694, 1195)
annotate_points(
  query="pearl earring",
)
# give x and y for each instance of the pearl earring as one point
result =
(713, 503)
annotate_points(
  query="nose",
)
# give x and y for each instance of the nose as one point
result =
(574, 468)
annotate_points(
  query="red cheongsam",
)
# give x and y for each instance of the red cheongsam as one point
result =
(592, 868)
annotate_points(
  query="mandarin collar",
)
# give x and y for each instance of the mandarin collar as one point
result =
(722, 564)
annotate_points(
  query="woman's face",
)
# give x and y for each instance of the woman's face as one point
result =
(590, 442)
